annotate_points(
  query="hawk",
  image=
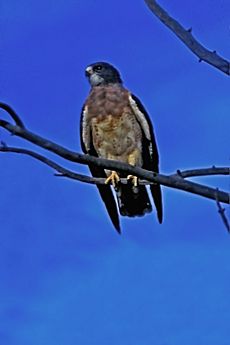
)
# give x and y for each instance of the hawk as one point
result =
(115, 125)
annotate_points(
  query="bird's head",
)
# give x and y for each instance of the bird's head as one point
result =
(102, 73)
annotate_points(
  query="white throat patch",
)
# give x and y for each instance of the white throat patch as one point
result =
(95, 79)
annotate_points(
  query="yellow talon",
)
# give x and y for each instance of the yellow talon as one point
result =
(114, 178)
(134, 179)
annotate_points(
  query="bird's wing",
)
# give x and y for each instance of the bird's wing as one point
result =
(149, 150)
(104, 190)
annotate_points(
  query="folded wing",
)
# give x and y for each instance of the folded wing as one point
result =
(149, 150)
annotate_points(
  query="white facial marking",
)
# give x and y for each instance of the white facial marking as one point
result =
(95, 79)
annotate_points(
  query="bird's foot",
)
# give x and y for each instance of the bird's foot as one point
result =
(113, 178)
(134, 180)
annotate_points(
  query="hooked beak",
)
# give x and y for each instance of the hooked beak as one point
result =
(88, 71)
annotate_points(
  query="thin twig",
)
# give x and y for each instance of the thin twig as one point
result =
(211, 57)
(61, 170)
(221, 211)
(204, 172)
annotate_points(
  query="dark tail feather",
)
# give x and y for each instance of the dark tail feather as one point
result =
(157, 198)
(133, 201)
(110, 204)
(107, 197)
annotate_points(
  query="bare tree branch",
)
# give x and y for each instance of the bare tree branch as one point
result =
(204, 172)
(63, 172)
(12, 113)
(211, 57)
(221, 211)
(174, 181)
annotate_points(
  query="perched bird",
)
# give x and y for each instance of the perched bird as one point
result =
(115, 125)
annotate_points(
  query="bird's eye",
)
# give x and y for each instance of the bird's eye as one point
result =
(97, 68)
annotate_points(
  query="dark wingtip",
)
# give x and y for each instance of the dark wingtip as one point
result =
(119, 231)
(160, 217)
(117, 227)
(160, 220)
(157, 198)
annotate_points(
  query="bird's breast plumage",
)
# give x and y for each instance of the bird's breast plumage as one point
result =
(109, 99)
(115, 130)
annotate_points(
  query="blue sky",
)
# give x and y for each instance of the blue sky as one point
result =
(66, 277)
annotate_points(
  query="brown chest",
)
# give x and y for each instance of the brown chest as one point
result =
(107, 100)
